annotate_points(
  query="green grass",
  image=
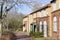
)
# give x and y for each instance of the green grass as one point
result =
(36, 34)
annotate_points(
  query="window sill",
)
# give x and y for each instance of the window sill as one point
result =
(55, 31)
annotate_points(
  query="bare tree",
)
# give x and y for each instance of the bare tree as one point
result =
(36, 6)
(7, 5)
(15, 21)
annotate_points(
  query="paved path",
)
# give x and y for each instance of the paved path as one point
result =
(23, 36)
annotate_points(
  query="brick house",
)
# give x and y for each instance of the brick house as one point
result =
(47, 17)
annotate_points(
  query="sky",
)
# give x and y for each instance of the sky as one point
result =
(27, 10)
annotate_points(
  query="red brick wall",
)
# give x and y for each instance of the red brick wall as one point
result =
(42, 19)
(57, 14)
(47, 20)
(59, 27)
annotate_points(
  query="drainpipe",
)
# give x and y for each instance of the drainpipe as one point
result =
(36, 23)
(36, 20)
(53, 1)
(28, 23)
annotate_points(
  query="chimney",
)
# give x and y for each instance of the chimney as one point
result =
(53, 1)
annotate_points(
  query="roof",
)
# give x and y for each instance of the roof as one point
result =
(53, 1)
(25, 16)
(42, 8)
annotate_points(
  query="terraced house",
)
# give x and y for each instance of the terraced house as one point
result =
(46, 20)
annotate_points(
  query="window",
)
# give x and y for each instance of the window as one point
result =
(45, 13)
(40, 14)
(40, 26)
(45, 29)
(55, 23)
(35, 28)
(54, 6)
(24, 28)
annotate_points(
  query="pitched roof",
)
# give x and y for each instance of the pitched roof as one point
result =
(53, 1)
(42, 8)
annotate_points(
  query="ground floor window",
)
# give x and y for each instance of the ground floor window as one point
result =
(55, 24)
(35, 28)
(40, 29)
(45, 29)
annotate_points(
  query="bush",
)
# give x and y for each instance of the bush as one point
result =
(25, 31)
(8, 35)
(36, 34)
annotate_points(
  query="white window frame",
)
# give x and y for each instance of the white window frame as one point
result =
(54, 6)
(40, 29)
(40, 13)
(45, 13)
(45, 28)
(55, 24)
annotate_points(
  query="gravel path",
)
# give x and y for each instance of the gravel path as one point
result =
(23, 36)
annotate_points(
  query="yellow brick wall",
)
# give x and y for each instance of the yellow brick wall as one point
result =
(26, 19)
(38, 14)
(30, 21)
(57, 5)
(49, 10)
(34, 15)
(42, 13)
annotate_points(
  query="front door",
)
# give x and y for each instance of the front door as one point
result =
(45, 29)
(35, 28)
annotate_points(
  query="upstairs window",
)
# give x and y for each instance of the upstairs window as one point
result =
(40, 13)
(55, 23)
(45, 13)
(54, 6)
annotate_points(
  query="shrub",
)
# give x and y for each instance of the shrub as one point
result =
(8, 35)
(25, 31)
(36, 34)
